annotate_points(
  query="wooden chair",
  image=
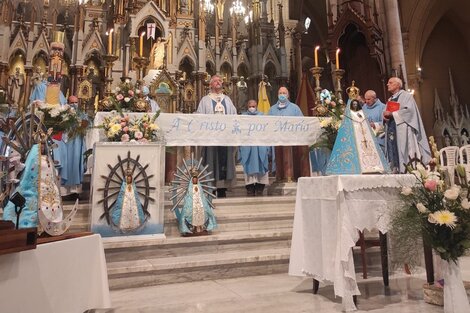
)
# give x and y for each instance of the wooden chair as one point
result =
(449, 159)
(381, 242)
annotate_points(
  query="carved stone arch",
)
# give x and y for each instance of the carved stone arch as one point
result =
(243, 69)
(18, 44)
(226, 71)
(94, 42)
(186, 50)
(41, 59)
(226, 57)
(41, 46)
(271, 57)
(149, 10)
(210, 67)
(17, 59)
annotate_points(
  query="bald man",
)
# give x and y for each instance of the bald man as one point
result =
(373, 108)
(405, 136)
(284, 165)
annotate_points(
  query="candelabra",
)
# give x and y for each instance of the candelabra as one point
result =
(142, 63)
(316, 71)
(109, 59)
(338, 75)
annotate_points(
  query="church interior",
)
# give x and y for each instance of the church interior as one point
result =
(145, 67)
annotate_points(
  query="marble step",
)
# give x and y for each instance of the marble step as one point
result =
(145, 272)
(216, 243)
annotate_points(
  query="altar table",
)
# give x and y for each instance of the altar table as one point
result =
(329, 211)
(67, 276)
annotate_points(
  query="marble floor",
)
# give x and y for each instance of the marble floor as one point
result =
(277, 293)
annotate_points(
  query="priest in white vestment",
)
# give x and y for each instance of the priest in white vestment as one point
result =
(405, 136)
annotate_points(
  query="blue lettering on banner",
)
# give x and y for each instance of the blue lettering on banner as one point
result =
(236, 127)
(214, 126)
(175, 124)
(258, 127)
(189, 125)
(286, 126)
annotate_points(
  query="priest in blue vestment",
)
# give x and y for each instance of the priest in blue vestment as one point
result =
(405, 136)
(221, 160)
(284, 165)
(374, 109)
(254, 160)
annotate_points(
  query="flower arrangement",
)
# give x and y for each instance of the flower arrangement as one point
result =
(125, 95)
(121, 128)
(60, 118)
(434, 209)
(332, 111)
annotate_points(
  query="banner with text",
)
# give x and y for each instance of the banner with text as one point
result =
(238, 130)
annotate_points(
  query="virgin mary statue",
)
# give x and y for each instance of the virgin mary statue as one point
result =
(128, 215)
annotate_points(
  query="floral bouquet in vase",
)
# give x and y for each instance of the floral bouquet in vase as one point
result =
(61, 118)
(121, 128)
(438, 211)
(332, 111)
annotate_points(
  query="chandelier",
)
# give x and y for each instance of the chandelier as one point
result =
(208, 6)
(237, 8)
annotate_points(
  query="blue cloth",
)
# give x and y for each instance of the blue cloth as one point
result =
(319, 159)
(39, 91)
(28, 188)
(291, 109)
(254, 159)
(116, 212)
(185, 216)
(374, 114)
(345, 157)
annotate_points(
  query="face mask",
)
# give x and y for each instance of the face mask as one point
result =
(282, 98)
(252, 110)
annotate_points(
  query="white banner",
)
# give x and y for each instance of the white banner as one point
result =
(238, 130)
(226, 130)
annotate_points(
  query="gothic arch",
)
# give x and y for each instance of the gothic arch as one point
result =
(150, 10)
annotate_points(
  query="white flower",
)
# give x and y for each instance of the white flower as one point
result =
(406, 191)
(138, 135)
(465, 204)
(137, 91)
(452, 193)
(434, 176)
(117, 89)
(127, 81)
(324, 123)
(421, 208)
(431, 218)
(127, 99)
(54, 112)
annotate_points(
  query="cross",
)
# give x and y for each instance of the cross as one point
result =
(151, 33)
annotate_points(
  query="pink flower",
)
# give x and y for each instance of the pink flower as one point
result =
(123, 124)
(332, 104)
(125, 129)
(430, 185)
(125, 138)
(143, 140)
(119, 97)
(138, 135)
(131, 93)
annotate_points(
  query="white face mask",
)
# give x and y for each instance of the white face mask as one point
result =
(252, 110)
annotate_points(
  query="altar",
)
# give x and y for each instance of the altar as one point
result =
(329, 212)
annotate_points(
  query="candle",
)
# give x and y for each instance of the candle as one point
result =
(316, 55)
(142, 44)
(110, 41)
(337, 58)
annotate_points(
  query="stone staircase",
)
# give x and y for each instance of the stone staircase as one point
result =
(253, 238)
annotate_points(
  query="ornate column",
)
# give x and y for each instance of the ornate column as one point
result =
(394, 36)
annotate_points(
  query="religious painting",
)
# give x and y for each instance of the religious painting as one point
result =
(127, 195)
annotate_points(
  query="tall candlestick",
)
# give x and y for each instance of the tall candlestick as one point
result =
(142, 44)
(316, 55)
(337, 58)
(110, 41)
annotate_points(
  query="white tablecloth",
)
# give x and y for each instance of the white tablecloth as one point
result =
(67, 276)
(329, 211)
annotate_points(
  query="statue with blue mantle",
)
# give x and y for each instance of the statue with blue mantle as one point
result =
(356, 150)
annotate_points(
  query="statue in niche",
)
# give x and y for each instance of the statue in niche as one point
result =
(157, 53)
(464, 140)
(38, 85)
(184, 7)
(16, 87)
(242, 94)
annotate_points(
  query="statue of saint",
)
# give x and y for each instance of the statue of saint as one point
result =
(128, 214)
(157, 54)
(184, 7)
(242, 94)
(464, 140)
(38, 86)
(16, 87)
